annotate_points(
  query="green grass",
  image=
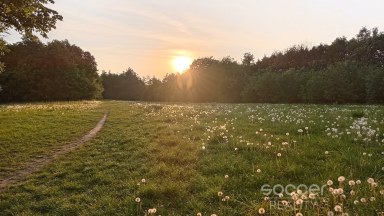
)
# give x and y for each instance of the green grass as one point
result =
(163, 144)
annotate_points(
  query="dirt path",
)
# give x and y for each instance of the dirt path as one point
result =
(39, 163)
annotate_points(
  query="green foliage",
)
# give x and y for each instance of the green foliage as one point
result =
(28, 16)
(124, 86)
(55, 71)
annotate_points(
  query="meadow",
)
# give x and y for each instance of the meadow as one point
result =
(195, 159)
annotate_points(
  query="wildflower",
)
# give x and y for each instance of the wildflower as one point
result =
(152, 211)
(137, 199)
(382, 192)
(261, 211)
(312, 196)
(371, 180)
(341, 179)
(338, 208)
(351, 183)
(299, 202)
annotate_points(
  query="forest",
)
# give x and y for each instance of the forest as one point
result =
(345, 71)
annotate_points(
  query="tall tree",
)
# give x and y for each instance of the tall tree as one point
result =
(26, 17)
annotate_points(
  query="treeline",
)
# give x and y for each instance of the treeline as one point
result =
(346, 71)
(48, 72)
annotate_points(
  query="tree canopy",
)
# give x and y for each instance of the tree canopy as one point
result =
(45, 72)
(26, 17)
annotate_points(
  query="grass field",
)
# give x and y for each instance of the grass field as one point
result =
(191, 159)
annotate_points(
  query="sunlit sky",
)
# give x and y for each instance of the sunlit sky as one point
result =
(147, 35)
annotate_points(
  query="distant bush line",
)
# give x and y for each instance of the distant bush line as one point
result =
(346, 71)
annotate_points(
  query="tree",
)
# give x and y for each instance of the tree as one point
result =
(26, 17)
(248, 59)
(45, 72)
(125, 86)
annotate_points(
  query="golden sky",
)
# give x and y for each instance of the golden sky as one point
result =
(147, 35)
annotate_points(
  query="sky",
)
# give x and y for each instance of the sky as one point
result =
(147, 35)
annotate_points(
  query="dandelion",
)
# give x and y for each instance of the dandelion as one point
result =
(287, 134)
(372, 199)
(213, 215)
(352, 192)
(329, 182)
(199, 214)
(358, 182)
(226, 176)
(338, 208)
(226, 198)
(299, 214)
(312, 196)
(236, 149)
(356, 202)
(203, 147)
(300, 130)
(261, 211)
(363, 200)
(284, 202)
(152, 211)
(341, 179)
(258, 170)
(351, 183)
(278, 154)
(143, 180)
(137, 199)
(370, 180)
(382, 192)
(299, 202)
(330, 213)
(306, 128)
(326, 152)
(220, 193)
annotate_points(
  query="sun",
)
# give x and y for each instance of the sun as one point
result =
(181, 63)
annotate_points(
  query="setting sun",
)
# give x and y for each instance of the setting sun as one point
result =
(181, 63)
